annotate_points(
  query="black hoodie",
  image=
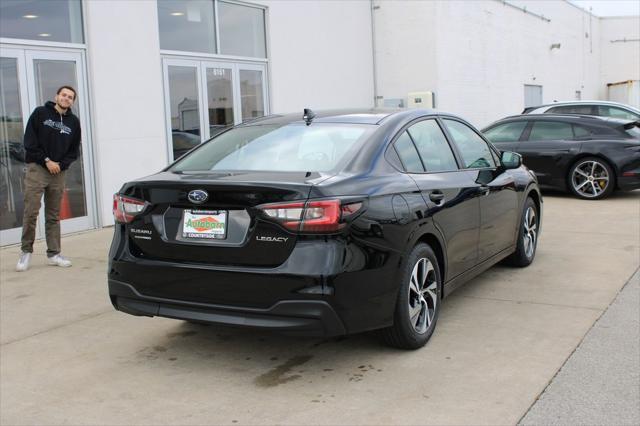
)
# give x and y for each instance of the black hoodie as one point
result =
(51, 134)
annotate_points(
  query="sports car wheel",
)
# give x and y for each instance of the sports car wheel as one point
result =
(591, 179)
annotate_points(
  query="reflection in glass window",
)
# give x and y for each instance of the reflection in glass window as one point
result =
(187, 25)
(185, 113)
(42, 20)
(474, 150)
(242, 31)
(508, 132)
(550, 130)
(408, 155)
(617, 113)
(252, 100)
(11, 147)
(572, 109)
(220, 99)
(295, 147)
(433, 147)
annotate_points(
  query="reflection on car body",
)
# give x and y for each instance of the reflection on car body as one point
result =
(348, 221)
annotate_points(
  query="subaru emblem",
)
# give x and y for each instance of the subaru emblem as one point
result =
(198, 196)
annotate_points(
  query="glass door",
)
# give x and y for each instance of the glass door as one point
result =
(218, 83)
(13, 109)
(46, 72)
(202, 98)
(29, 78)
(253, 101)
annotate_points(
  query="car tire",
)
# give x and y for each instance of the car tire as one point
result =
(587, 177)
(418, 301)
(527, 236)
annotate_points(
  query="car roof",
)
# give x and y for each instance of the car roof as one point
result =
(585, 102)
(566, 118)
(350, 116)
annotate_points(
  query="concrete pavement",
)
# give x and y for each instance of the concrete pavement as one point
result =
(66, 357)
(600, 383)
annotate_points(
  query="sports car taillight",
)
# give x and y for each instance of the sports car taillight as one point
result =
(318, 216)
(125, 209)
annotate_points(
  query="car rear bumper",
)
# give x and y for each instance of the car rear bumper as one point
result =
(302, 317)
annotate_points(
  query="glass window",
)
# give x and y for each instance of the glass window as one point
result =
(242, 31)
(252, 101)
(608, 111)
(42, 20)
(187, 25)
(184, 100)
(572, 109)
(474, 150)
(507, 132)
(11, 147)
(220, 99)
(291, 148)
(581, 132)
(408, 155)
(433, 146)
(550, 130)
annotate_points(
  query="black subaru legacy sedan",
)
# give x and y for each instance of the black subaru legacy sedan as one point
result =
(323, 224)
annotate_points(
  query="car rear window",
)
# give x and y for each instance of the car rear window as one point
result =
(319, 147)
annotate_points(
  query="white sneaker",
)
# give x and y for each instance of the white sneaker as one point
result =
(59, 260)
(23, 262)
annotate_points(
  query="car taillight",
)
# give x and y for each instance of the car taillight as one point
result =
(125, 209)
(313, 216)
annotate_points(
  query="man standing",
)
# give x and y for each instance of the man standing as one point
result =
(52, 143)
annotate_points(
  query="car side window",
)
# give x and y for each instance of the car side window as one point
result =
(571, 109)
(474, 150)
(432, 146)
(608, 111)
(507, 132)
(408, 155)
(581, 132)
(550, 130)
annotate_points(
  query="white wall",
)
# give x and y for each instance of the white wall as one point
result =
(125, 80)
(484, 52)
(620, 60)
(320, 54)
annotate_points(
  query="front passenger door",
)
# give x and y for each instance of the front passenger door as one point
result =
(496, 189)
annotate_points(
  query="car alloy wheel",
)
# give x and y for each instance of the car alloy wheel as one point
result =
(591, 179)
(530, 232)
(423, 295)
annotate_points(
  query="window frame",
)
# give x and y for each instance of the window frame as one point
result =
(532, 123)
(460, 158)
(523, 133)
(405, 128)
(218, 55)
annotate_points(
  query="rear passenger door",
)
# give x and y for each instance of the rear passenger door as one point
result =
(496, 190)
(449, 193)
(548, 147)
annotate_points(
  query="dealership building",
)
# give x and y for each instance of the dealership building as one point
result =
(156, 77)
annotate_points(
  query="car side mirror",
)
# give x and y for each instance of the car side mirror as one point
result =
(511, 160)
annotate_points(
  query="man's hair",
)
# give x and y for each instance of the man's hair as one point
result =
(68, 88)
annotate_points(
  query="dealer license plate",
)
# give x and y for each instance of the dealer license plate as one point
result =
(204, 224)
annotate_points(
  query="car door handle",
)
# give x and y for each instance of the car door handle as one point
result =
(436, 196)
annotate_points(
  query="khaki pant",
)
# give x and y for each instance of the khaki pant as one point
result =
(37, 181)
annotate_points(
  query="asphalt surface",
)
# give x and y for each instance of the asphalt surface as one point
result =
(600, 383)
(66, 357)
